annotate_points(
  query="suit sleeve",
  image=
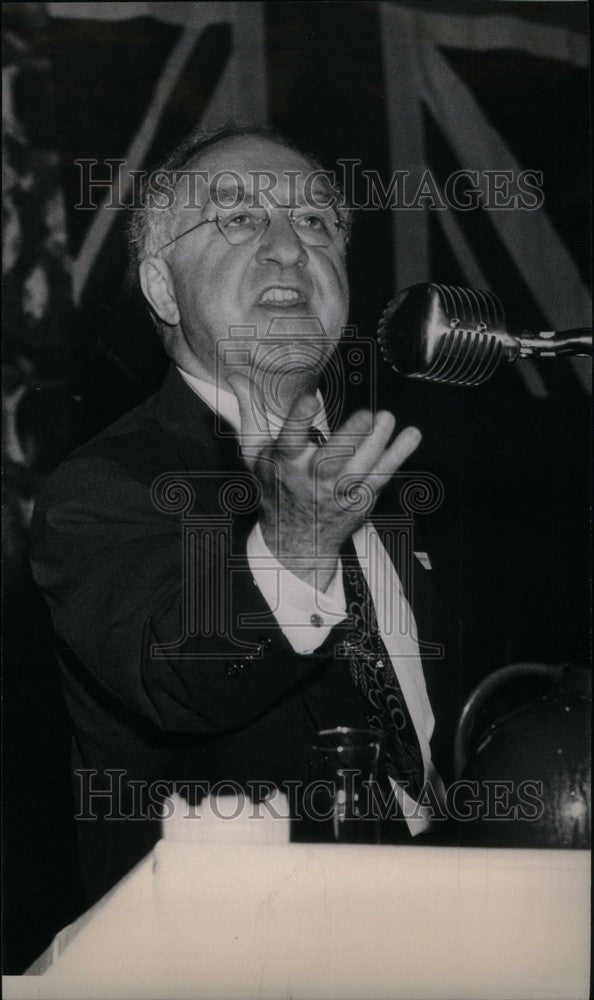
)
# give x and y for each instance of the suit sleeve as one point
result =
(167, 620)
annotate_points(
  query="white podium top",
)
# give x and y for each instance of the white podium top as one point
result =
(337, 922)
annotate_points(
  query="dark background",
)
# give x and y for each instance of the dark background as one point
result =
(509, 543)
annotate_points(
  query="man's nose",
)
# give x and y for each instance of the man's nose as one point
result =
(280, 243)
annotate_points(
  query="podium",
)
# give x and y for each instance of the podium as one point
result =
(235, 921)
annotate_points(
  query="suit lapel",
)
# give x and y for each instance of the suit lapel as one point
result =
(205, 452)
(203, 440)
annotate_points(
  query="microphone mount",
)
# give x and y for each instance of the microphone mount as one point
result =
(554, 344)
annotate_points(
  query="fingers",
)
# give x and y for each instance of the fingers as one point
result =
(361, 441)
(402, 448)
(245, 389)
(372, 447)
(356, 429)
(294, 434)
(254, 434)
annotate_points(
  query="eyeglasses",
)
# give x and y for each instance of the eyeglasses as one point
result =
(314, 227)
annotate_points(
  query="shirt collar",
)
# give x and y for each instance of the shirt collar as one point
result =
(225, 405)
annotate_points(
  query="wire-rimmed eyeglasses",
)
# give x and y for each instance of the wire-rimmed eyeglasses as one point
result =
(315, 227)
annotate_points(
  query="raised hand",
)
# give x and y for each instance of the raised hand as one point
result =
(314, 497)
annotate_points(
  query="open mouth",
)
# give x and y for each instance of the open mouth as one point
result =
(281, 297)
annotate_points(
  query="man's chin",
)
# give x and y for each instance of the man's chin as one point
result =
(292, 325)
(283, 344)
(291, 356)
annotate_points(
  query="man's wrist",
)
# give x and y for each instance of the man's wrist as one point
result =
(304, 613)
(308, 557)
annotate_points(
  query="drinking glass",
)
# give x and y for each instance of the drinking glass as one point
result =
(340, 805)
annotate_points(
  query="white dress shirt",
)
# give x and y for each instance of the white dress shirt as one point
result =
(307, 615)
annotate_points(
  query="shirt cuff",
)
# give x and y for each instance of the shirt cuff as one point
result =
(305, 615)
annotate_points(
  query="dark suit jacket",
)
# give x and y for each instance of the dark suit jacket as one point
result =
(226, 700)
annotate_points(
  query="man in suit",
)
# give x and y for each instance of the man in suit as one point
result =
(216, 583)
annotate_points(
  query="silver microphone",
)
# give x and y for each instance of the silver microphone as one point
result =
(446, 333)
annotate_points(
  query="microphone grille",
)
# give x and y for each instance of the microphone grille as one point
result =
(444, 333)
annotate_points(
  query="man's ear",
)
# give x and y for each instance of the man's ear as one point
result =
(158, 289)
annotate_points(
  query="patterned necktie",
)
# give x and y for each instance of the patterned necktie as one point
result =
(373, 674)
(374, 677)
